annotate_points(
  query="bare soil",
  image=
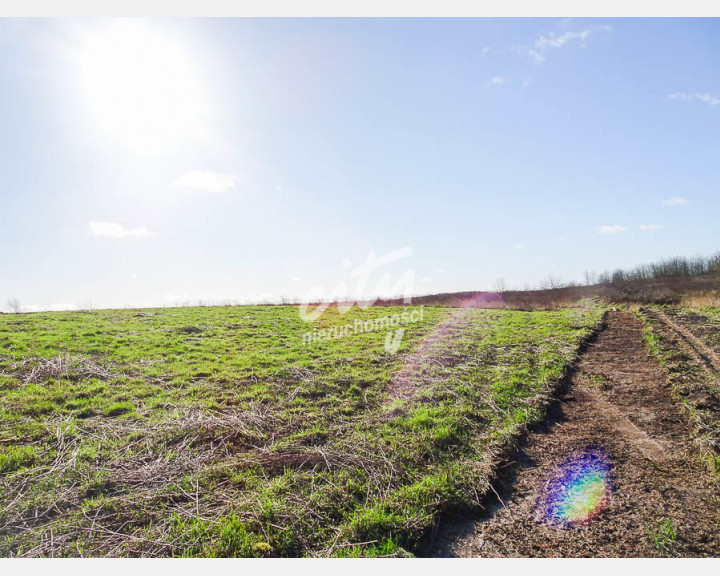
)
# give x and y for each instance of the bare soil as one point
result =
(618, 399)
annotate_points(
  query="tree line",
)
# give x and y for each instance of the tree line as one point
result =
(677, 267)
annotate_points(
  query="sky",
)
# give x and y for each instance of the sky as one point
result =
(158, 162)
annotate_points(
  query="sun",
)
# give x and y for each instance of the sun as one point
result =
(140, 88)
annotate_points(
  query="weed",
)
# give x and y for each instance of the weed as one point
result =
(663, 535)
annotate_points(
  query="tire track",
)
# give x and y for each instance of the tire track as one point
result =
(696, 347)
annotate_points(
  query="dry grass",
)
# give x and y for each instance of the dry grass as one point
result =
(61, 366)
(702, 301)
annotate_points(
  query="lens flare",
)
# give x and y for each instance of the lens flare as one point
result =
(578, 489)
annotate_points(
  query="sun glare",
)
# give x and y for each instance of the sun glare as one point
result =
(141, 88)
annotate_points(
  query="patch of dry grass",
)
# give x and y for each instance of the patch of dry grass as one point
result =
(698, 302)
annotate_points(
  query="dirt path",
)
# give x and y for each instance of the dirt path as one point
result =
(617, 399)
(433, 351)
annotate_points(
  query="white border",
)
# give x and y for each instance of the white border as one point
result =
(385, 8)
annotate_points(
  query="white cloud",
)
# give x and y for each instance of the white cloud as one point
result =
(684, 96)
(485, 51)
(675, 202)
(610, 230)
(650, 227)
(537, 57)
(114, 230)
(552, 41)
(711, 100)
(708, 99)
(207, 180)
(498, 80)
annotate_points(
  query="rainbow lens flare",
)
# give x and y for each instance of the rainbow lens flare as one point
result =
(578, 489)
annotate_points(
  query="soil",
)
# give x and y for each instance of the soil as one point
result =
(702, 354)
(617, 399)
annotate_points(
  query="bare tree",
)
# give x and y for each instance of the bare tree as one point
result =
(590, 278)
(501, 285)
(14, 305)
(551, 283)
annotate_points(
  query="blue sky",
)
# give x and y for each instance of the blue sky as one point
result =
(150, 162)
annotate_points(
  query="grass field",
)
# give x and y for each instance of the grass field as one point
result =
(216, 432)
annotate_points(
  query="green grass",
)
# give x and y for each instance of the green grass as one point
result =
(663, 536)
(15, 457)
(216, 432)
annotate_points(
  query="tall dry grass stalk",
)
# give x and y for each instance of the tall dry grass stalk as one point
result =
(701, 301)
